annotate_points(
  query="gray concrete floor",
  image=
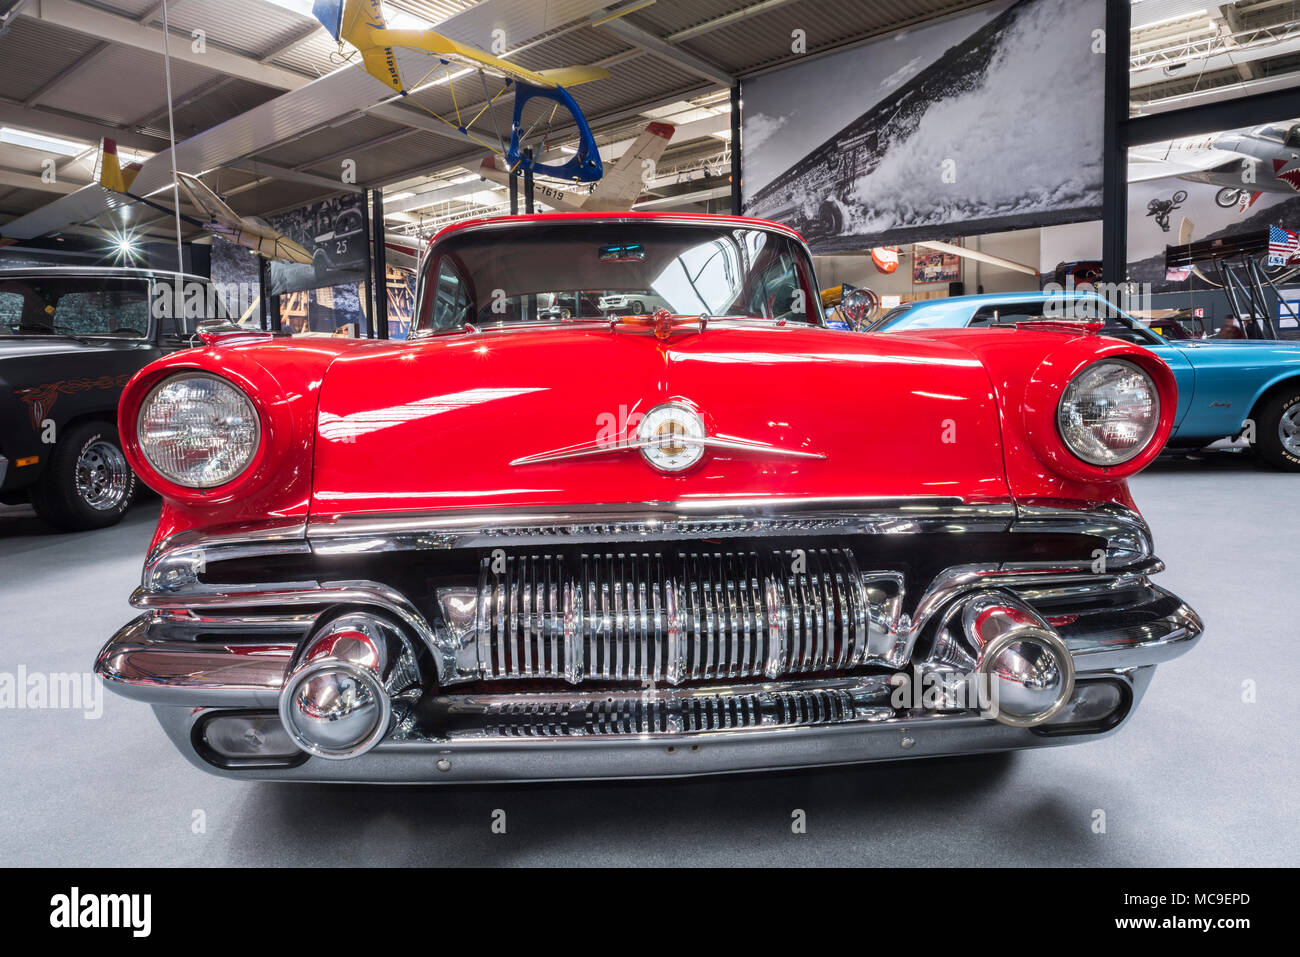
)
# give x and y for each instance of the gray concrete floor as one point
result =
(1198, 777)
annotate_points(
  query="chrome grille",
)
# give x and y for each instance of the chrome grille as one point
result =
(650, 616)
(527, 716)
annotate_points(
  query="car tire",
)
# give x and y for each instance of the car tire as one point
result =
(87, 482)
(1277, 431)
(638, 307)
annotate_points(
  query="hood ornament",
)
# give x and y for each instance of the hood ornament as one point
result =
(662, 323)
(671, 437)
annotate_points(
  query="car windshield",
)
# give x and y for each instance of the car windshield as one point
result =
(1006, 315)
(547, 272)
(887, 318)
(74, 306)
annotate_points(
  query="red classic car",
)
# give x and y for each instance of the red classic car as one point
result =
(721, 537)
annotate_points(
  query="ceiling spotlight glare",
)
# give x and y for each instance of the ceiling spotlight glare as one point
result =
(124, 247)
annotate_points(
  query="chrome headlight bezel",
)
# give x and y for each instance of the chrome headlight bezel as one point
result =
(231, 473)
(1070, 400)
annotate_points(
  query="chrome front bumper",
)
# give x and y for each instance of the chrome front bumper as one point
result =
(201, 652)
(511, 760)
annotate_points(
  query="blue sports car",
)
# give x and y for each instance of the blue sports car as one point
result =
(1226, 387)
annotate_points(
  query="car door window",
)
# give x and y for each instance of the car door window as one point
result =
(182, 304)
(776, 293)
(1006, 314)
(11, 308)
(451, 300)
(102, 307)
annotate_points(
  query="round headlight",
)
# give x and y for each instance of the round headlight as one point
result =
(1109, 412)
(198, 430)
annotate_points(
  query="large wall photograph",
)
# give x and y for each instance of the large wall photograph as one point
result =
(987, 121)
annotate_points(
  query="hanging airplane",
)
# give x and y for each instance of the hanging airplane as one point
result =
(403, 252)
(361, 24)
(618, 190)
(1244, 163)
(247, 231)
(116, 183)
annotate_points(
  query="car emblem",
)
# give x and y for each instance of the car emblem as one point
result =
(669, 437)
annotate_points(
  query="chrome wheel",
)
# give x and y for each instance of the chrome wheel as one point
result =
(1288, 430)
(103, 477)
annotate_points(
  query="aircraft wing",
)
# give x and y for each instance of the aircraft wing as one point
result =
(1159, 160)
(544, 193)
(206, 201)
(362, 24)
(86, 203)
(622, 183)
(380, 44)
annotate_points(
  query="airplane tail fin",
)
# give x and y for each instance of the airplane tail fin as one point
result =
(626, 178)
(111, 174)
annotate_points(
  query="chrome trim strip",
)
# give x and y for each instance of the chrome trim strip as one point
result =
(601, 446)
(279, 531)
(311, 595)
(1127, 534)
(648, 521)
(451, 528)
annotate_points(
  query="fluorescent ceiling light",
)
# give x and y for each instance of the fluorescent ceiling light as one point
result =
(297, 6)
(401, 20)
(39, 141)
(1150, 13)
(303, 7)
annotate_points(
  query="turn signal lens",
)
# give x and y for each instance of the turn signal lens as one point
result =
(1109, 413)
(198, 430)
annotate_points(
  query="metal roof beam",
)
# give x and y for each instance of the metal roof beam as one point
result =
(54, 81)
(708, 26)
(73, 126)
(21, 180)
(95, 22)
(259, 168)
(662, 49)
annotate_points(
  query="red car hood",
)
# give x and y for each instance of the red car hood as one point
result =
(439, 424)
